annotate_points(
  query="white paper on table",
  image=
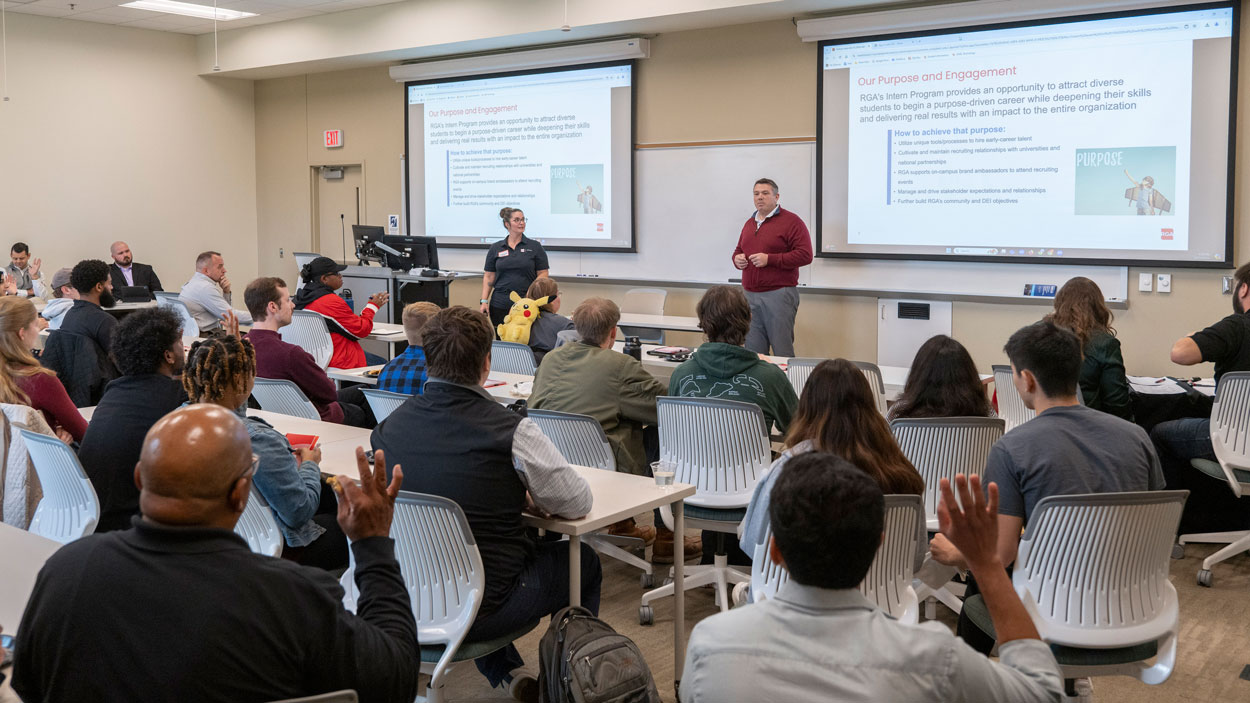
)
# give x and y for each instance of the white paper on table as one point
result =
(1167, 387)
(1145, 380)
(522, 389)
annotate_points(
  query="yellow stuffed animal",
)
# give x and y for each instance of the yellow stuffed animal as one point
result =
(516, 324)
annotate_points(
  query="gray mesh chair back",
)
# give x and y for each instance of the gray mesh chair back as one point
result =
(719, 446)
(308, 331)
(383, 403)
(941, 447)
(1230, 428)
(798, 370)
(258, 526)
(1093, 572)
(190, 328)
(69, 508)
(645, 301)
(579, 438)
(1011, 406)
(282, 396)
(872, 372)
(888, 582)
(442, 570)
(511, 357)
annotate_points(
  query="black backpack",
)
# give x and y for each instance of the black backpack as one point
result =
(583, 660)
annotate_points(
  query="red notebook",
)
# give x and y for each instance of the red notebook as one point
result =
(302, 441)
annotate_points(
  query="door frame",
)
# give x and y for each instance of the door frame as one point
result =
(314, 215)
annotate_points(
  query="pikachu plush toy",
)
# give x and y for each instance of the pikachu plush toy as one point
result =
(516, 325)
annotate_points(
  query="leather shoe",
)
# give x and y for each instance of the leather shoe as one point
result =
(630, 528)
(662, 550)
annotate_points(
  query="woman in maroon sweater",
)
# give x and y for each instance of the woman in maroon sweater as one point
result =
(23, 381)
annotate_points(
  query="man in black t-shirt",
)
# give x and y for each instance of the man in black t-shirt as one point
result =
(1211, 507)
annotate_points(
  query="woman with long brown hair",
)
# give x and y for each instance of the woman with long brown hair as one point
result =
(23, 381)
(943, 382)
(1080, 307)
(838, 414)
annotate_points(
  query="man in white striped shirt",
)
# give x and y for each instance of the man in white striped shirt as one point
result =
(458, 442)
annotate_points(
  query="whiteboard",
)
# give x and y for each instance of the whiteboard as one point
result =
(690, 203)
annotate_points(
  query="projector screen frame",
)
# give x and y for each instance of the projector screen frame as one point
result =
(633, 141)
(1228, 261)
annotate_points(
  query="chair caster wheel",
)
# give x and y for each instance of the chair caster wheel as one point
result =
(1178, 551)
(646, 616)
(647, 580)
(1204, 578)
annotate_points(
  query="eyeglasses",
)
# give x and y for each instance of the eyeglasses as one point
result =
(250, 471)
(520, 219)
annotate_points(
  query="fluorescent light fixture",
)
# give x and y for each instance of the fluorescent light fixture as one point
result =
(189, 9)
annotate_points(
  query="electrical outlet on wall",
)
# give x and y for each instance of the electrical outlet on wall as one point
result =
(1165, 283)
(281, 253)
(1226, 285)
(1145, 282)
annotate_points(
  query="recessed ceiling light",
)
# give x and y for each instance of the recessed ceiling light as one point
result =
(188, 9)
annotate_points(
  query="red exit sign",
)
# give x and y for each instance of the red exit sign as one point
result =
(334, 138)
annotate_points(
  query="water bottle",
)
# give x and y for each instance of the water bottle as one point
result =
(633, 347)
(347, 298)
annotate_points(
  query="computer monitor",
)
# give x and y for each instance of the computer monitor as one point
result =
(414, 252)
(365, 236)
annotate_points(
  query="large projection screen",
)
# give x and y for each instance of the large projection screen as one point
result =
(556, 143)
(1100, 139)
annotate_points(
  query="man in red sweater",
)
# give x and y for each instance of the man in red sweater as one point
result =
(270, 305)
(773, 244)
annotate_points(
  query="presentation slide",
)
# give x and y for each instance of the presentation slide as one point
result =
(1102, 140)
(555, 143)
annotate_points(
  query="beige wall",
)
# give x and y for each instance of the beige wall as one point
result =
(110, 134)
(699, 85)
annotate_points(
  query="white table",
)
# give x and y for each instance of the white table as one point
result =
(289, 424)
(22, 555)
(502, 393)
(660, 322)
(389, 333)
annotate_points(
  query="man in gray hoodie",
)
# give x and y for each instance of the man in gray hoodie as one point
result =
(63, 299)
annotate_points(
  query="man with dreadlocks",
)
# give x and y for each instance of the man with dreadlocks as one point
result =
(222, 371)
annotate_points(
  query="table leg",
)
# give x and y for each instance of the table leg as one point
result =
(575, 570)
(679, 592)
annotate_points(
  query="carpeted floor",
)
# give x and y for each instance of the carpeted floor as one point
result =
(1214, 648)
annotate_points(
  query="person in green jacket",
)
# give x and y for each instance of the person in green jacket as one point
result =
(588, 377)
(723, 368)
(1080, 307)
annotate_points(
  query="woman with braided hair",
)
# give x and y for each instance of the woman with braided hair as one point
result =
(222, 371)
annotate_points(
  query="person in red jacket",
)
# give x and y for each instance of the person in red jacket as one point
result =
(321, 278)
(773, 245)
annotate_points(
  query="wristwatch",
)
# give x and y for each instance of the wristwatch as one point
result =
(483, 300)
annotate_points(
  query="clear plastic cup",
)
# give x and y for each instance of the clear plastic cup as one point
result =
(663, 471)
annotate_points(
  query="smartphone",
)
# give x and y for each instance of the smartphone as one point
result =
(6, 651)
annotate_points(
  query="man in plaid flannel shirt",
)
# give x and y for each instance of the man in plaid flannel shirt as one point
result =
(406, 372)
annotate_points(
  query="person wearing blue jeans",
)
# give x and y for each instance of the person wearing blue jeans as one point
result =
(1211, 507)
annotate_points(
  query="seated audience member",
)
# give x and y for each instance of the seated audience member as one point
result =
(222, 371)
(125, 271)
(86, 317)
(147, 347)
(207, 294)
(819, 639)
(723, 368)
(22, 273)
(1067, 449)
(942, 382)
(63, 297)
(179, 609)
(406, 373)
(458, 442)
(321, 278)
(1211, 507)
(549, 323)
(269, 304)
(588, 377)
(837, 414)
(23, 381)
(1079, 306)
